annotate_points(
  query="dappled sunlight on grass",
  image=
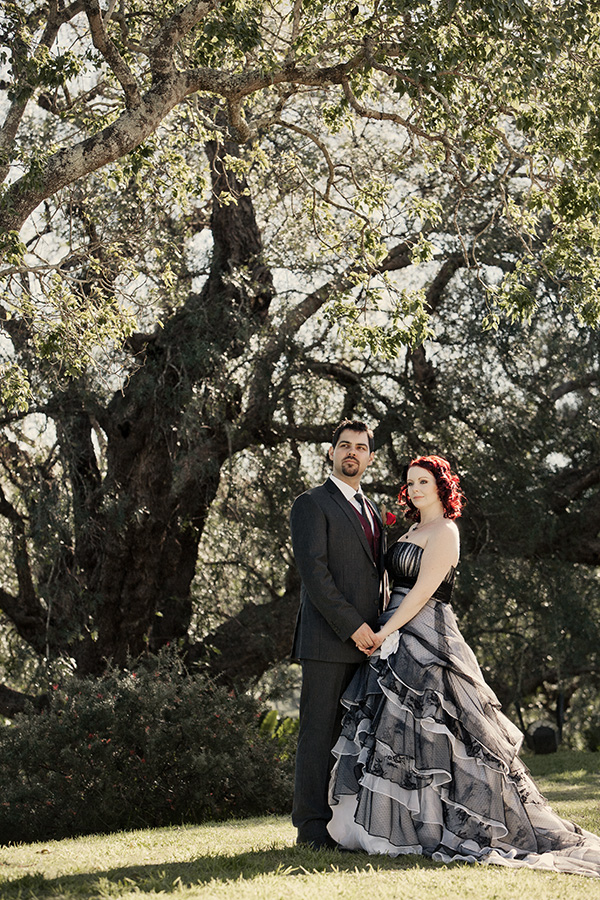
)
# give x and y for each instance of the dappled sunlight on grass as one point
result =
(571, 784)
(257, 858)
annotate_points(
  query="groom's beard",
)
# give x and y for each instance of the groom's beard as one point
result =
(349, 464)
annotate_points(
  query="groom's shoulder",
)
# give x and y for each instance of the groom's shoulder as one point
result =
(325, 489)
(318, 494)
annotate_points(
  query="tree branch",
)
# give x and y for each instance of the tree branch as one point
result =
(16, 110)
(28, 618)
(173, 30)
(366, 112)
(423, 369)
(340, 373)
(14, 702)
(25, 610)
(571, 484)
(574, 384)
(69, 164)
(245, 647)
(74, 430)
(259, 405)
(104, 44)
(134, 125)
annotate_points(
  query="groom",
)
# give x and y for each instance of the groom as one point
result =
(337, 538)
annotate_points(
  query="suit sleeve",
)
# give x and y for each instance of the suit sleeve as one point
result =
(310, 542)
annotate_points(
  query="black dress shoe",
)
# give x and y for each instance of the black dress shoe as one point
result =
(321, 843)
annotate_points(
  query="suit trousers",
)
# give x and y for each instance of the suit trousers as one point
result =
(321, 712)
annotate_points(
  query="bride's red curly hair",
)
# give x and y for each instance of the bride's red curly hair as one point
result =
(448, 486)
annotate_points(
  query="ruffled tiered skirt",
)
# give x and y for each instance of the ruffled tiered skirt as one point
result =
(427, 762)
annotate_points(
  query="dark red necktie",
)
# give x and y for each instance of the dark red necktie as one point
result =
(365, 520)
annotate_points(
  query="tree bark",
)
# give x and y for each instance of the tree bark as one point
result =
(137, 531)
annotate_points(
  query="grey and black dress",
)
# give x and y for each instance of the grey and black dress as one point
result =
(428, 763)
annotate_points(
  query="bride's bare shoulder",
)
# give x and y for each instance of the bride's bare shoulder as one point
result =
(446, 531)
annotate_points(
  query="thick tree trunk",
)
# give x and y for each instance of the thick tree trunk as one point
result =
(163, 472)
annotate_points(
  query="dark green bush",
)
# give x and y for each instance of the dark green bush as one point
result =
(150, 747)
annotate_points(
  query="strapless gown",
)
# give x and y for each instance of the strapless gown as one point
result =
(427, 762)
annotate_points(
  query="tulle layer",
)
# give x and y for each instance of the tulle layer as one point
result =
(428, 763)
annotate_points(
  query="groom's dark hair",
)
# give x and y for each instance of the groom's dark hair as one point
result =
(353, 425)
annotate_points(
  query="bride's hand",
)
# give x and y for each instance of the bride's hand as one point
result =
(377, 642)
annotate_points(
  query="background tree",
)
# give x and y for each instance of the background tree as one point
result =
(221, 273)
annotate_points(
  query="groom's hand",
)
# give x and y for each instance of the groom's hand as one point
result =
(364, 637)
(377, 642)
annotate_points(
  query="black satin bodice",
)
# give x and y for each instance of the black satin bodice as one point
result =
(403, 561)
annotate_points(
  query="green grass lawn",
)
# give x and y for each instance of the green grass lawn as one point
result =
(257, 859)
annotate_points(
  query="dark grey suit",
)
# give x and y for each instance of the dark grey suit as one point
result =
(341, 589)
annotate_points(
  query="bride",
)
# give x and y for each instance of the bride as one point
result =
(426, 761)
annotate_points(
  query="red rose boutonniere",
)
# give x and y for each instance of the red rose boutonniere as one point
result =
(388, 518)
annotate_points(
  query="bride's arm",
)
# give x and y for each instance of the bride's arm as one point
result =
(439, 555)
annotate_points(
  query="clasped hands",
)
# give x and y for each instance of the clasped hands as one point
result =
(367, 640)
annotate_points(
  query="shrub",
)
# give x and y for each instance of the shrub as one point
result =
(148, 747)
(582, 721)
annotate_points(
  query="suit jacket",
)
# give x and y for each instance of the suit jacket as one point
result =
(342, 586)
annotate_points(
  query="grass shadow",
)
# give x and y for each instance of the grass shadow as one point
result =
(563, 779)
(169, 878)
(570, 794)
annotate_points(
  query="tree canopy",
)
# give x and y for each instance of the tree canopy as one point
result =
(501, 96)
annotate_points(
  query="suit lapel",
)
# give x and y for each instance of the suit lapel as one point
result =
(346, 508)
(375, 510)
(382, 534)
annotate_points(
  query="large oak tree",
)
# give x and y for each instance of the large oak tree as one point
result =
(372, 136)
